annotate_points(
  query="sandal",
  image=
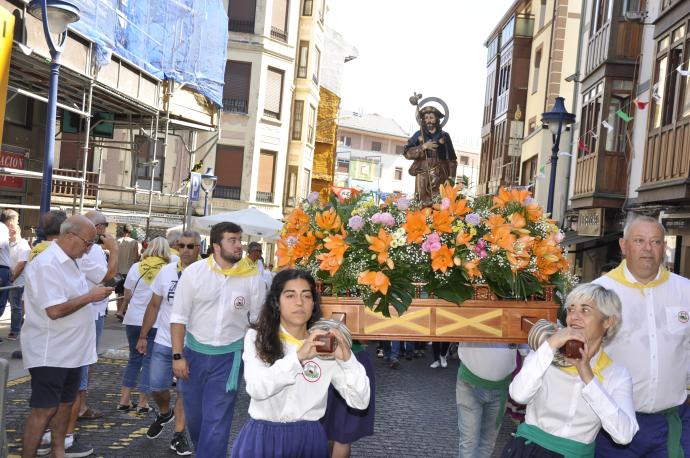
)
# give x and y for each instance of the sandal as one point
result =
(126, 407)
(119, 317)
(90, 414)
(144, 409)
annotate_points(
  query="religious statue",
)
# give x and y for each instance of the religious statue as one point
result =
(431, 150)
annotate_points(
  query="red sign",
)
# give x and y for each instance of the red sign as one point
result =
(13, 161)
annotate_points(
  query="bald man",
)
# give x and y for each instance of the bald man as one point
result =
(58, 336)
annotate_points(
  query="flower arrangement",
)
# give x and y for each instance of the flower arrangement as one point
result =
(380, 251)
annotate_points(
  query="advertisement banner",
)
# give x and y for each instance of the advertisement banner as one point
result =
(12, 160)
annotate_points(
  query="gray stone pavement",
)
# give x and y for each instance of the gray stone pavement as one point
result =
(415, 409)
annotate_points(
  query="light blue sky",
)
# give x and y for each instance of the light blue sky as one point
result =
(435, 47)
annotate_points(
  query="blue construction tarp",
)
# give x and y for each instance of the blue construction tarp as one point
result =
(181, 40)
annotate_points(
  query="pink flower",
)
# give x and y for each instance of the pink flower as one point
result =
(356, 223)
(445, 203)
(480, 249)
(432, 243)
(403, 204)
(383, 218)
(559, 237)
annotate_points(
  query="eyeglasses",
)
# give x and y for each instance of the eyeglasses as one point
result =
(189, 246)
(87, 243)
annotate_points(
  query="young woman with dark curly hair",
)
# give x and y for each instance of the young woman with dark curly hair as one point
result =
(287, 377)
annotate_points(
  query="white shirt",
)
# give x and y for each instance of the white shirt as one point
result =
(489, 361)
(289, 391)
(653, 342)
(19, 252)
(561, 404)
(54, 278)
(141, 295)
(4, 245)
(94, 265)
(216, 309)
(164, 286)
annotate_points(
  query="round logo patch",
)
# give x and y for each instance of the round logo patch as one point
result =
(311, 371)
(239, 302)
(683, 316)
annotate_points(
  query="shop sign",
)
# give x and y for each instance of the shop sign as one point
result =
(590, 222)
(12, 160)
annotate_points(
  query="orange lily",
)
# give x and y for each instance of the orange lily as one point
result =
(380, 245)
(305, 246)
(442, 221)
(472, 268)
(459, 208)
(286, 255)
(378, 281)
(448, 191)
(463, 238)
(518, 260)
(517, 220)
(504, 197)
(329, 262)
(297, 222)
(328, 220)
(534, 211)
(495, 221)
(415, 225)
(442, 258)
(501, 237)
(337, 245)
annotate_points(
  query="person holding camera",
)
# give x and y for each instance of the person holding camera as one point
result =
(286, 376)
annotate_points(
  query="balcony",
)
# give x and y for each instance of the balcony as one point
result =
(598, 47)
(235, 106)
(227, 192)
(601, 180)
(265, 197)
(278, 34)
(235, 25)
(71, 188)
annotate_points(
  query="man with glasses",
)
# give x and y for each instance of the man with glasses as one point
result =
(58, 336)
(158, 311)
(653, 343)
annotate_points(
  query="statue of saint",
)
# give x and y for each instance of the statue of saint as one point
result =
(433, 156)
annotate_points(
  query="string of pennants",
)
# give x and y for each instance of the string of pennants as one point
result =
(622, 113)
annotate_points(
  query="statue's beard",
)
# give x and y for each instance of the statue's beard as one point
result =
(431, 127)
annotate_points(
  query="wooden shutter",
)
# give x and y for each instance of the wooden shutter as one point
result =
(279, 18)
(267, 161)
(237, 80)
(242, 10)
(229, 161)
(274, 87)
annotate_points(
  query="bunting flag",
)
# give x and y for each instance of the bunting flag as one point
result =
(565, 153)
(607, 126)
(640, 104)
(655, 93)
(582, 147)
(593, 134)
(624, 116)
(683, 72)
(540, 176)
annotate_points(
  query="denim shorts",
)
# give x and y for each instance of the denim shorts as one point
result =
(161, 374)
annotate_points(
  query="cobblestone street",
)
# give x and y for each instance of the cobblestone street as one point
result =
(415, 414)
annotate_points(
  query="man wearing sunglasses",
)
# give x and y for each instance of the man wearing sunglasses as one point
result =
(158, 311)
(58, 336)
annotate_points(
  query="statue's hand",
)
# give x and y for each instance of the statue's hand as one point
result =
(430, 145)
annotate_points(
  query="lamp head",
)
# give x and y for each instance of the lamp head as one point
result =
(208, 180)
(59, 13)
(557, 116)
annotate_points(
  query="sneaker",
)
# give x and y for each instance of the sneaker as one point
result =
(12, 336)
(435, 365)
(78, 450)
(379, 353)
(444, 361)
(126, 407)
(180, 445)
(157, 426)
(408, 356)
(395, 364)
(45, 445)
(144, 409)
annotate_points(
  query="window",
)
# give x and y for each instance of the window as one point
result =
(590, 119)
(303, 59)
(464, 160)
(601, 14)
(236, 89)
(317, 65)
(529, 170)
(143, 158)
(19, 111)
(342, 166)
(531, 125)
(398, 174)
(242, 16)
(376, 146)
(671, 99)
(507, 32)
(535, 75)
(632, 6)
(685, 107)
(399, 149)
(297, 115)
(228, 169)
(279, 20)
(307, 7)
(266, 181)
(542, 14)
(274, 93)
(312, 123)
(306, 183)
(322, 11)
(291, 190)
(346, 140)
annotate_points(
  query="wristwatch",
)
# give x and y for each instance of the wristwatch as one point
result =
(177, 356)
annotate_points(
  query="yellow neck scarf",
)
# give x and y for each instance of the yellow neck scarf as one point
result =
(242, 268)
(286, 337)
(149, 268)
(179, 266)
(618, 274)
(602, 363)
(38, 249)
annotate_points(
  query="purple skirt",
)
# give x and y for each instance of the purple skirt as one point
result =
(267, 439)
(343, 423)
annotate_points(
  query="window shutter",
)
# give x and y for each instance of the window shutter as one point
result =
(274, 83)
(279, 18)
(237, 80)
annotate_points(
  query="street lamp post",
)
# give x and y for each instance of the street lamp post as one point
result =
(56, 15)
(208, 184)
(555, 120)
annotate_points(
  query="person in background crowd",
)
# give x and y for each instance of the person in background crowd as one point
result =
(137, 296)
(5, 272)
(207, 329)
(440, 350)
(653, 343)
(285, 378)
(51, 222)
(568, 406)
(158, 314)
(58, 336)
(128, 254)
(19, 256)
(171, 237)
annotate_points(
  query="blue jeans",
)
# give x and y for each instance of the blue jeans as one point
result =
(4, 281)
(478, 410)
(138, 363)
(15, 297)
(392, 349)
(161, 374)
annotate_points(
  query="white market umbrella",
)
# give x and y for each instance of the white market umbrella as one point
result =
(253, 222)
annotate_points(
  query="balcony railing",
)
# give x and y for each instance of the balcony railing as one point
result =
(598, 47)
(235, 25)
(272, 114)
(235, 105)
(278, 34)
(71, 188)
(227, 192)
(266, 197)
